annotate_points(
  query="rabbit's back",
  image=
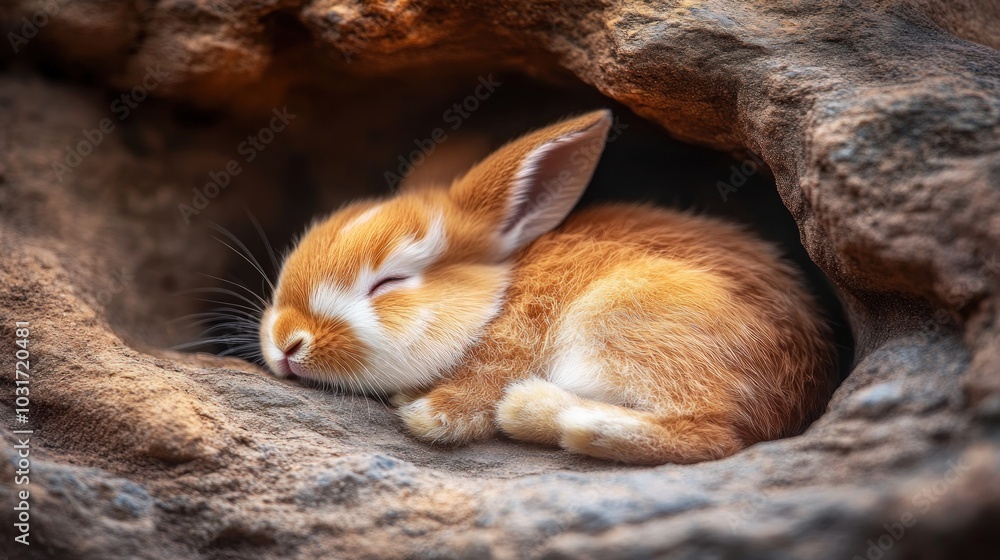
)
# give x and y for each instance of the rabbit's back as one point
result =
(672, 313)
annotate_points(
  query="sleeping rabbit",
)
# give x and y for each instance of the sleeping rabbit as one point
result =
(625, 332)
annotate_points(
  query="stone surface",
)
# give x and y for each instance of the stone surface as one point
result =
(879, 120)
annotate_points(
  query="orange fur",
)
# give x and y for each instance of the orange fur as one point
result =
(625, 332)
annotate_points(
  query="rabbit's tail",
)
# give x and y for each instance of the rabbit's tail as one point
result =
(540, 411)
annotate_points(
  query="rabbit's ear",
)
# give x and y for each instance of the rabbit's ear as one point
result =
(529, 186)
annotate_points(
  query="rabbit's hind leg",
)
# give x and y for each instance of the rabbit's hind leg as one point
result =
(634, 436)
(529, 410)
(539, 411)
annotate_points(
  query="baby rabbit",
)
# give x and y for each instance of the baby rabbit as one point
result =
(624, 332)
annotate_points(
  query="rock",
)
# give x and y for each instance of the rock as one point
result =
(879, 121)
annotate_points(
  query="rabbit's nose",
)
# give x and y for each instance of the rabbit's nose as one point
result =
(292, 347)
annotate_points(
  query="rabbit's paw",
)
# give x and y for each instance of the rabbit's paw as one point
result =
(441, 418)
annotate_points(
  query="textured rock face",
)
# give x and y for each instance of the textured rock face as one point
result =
(880, 123)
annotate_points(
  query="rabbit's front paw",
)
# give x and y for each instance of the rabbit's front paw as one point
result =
(441, 418)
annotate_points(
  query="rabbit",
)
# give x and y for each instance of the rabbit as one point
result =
(623, 332)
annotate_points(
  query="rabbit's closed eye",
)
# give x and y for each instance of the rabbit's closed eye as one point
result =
(385, 283)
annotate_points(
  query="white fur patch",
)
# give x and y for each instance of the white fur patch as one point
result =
(350, 304)
(608, 423)
(577, 366)
(412, 255)
(364, 217)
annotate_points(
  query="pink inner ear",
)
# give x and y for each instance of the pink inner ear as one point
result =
(553, 177)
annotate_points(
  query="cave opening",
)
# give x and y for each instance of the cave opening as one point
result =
(362, 139)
